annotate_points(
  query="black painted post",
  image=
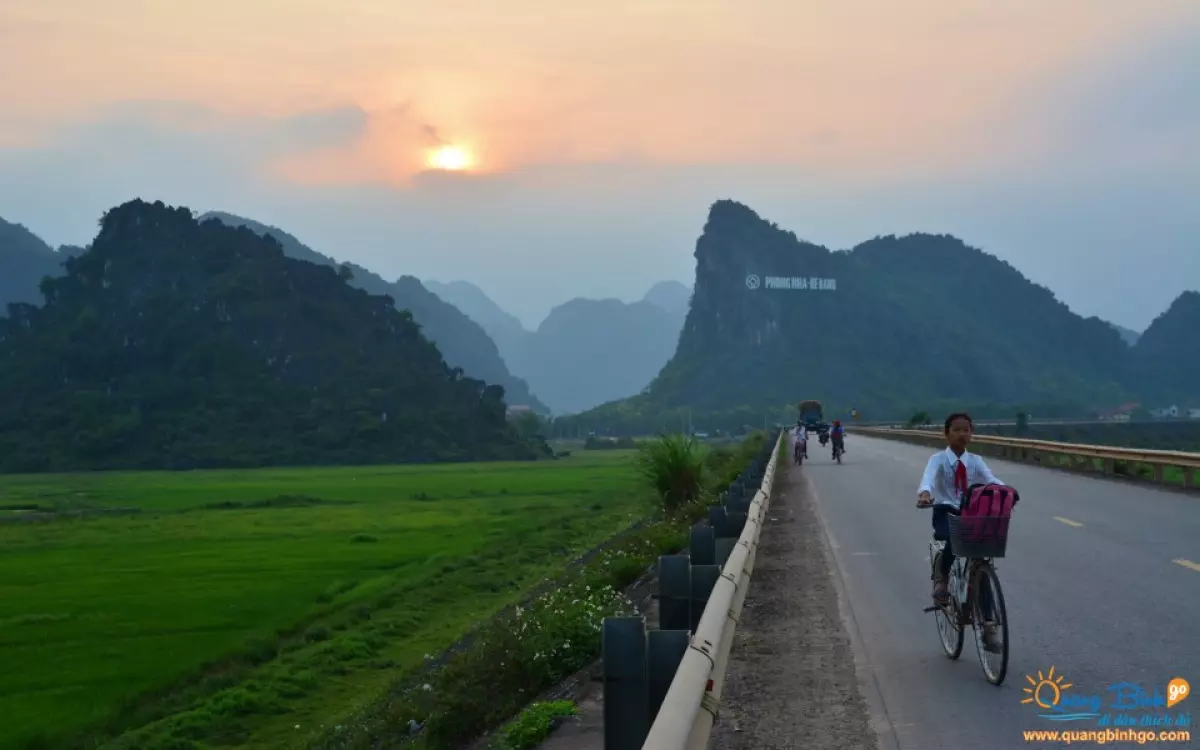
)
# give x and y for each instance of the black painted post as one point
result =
(718, 521)
(704, 577)
(626, 687)
(701, 544)
(737, 522)
(674, 592)
(724, 547)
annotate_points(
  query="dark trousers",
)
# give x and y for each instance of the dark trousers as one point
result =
(941, 532)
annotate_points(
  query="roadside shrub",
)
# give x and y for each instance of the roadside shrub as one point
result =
(725, 464)
(535, 724)
(512, 660)
(674, 465)
(594, 443)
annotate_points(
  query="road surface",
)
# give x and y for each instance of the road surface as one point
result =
(1102, 582)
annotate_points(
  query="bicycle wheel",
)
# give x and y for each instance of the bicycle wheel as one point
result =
(946, 618)
(994, 660)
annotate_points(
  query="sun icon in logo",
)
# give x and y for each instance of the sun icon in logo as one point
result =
(1054, 685)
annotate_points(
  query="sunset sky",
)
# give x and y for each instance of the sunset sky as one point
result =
(1062, 136)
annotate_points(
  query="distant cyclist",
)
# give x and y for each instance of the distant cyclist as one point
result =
(837, 434)
(800, 444)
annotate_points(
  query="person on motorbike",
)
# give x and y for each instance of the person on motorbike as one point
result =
(837, 434)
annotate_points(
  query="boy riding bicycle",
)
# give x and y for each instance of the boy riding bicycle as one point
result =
(948, 476)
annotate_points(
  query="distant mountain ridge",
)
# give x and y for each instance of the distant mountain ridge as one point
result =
(589, 352)
(586, 351)
(672, 296)
(24, 260)
(462, 341)
(1129, 336)
(504, 328)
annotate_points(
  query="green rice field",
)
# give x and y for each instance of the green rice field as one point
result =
(249, 608)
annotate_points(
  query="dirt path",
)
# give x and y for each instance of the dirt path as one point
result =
(792, 680)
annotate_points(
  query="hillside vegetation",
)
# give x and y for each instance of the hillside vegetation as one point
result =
(461, 340)
(172, 343)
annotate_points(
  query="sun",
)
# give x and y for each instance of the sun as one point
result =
(450, 158)
(1055, 684)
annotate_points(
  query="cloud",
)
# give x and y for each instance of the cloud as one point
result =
(1084, 177)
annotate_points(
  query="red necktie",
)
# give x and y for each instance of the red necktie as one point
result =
(960, 479)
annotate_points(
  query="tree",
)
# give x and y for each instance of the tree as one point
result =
(920, 419)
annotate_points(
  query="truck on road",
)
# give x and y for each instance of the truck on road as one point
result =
(812, 416)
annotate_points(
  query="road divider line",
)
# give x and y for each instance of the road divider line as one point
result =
(1187, 564)
(1067, 521)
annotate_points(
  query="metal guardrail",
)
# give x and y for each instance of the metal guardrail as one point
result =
(662, 687)
(1080, 456)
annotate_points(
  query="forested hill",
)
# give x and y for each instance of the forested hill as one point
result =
(172, 343)
(462, 341)
(24, 260)
(896, 321)
(1166, 359)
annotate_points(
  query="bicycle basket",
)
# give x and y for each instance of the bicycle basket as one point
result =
(979, 536)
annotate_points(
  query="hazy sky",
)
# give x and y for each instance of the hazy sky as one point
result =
(1061, 136)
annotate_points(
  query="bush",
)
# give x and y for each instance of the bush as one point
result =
(515, 660)
(675, 467)
(534, 725)
(594, 443)
(725, 464)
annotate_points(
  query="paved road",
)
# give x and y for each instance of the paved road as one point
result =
(1089, 580)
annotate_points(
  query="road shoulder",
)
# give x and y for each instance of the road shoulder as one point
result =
(792, 680)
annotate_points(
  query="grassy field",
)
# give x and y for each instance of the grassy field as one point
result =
(250, 608)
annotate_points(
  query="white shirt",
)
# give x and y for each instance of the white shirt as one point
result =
(801, 434)
(938, 479)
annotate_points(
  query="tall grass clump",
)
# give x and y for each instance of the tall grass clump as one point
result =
(674, 466)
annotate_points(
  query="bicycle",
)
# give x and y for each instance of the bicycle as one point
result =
(838, 450)
(798, 453)
(972, 578)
